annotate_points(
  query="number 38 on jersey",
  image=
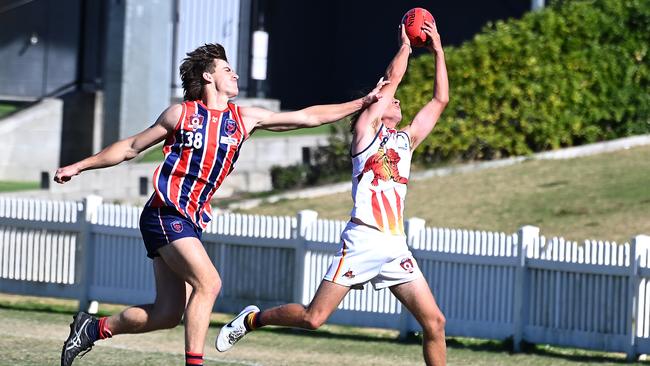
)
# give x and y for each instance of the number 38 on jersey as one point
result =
(193, 139)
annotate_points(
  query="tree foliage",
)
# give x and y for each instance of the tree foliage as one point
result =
(574, 73)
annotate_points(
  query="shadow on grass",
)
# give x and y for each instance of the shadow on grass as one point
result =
(476, 345)
(38, 308)
(352, 334)
(566, 354)
(46, 308)
(325, 334)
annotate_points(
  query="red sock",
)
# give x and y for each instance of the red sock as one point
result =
(104, 332)
(193, 359)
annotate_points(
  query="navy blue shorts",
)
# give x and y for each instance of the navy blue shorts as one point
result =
(162, 225)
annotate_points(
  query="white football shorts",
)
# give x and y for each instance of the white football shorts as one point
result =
(368, 254)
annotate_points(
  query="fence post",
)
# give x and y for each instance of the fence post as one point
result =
(638, 257)
(412, 229)
(526, 237)
(305, 220)
(84, 253)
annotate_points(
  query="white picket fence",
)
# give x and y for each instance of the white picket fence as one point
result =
(491, 285)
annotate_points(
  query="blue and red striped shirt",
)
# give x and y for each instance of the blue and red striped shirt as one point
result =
(199, 154)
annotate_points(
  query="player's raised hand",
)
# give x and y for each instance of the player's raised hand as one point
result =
(66, 173)
(404, 39)
(375, 94)
(433, 38)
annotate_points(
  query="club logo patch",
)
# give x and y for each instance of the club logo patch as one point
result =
(349, 274)
(196, 122)
(230, 127)
(177, 226)
(407, 265)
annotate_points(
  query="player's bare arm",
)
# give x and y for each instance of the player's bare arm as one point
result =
(125, 149)
(369, 120)
(428, 116)
(259, 118)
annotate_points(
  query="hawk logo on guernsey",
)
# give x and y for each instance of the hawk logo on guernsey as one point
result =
(230, 127)
(177, 226)
(196, 122)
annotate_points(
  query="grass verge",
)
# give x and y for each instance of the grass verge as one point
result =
(603, 197)
(13, 186)
(6, 109)
(41, 324)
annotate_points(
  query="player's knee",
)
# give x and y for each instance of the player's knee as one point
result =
(171, 319)
(313, 321)
(215, 286)
(168, 315)
(435, 324)
(210, 285)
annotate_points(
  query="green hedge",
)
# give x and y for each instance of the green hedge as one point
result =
(576, 72)
(329, 163)
(288, 177)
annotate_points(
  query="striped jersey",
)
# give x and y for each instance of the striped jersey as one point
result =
(199, 154)
(379, 178)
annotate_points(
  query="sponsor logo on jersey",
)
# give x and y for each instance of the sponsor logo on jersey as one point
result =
(230, 127)
(407, 265)
(177, 226)
(196, 121)
(228, 140)
(349, 274)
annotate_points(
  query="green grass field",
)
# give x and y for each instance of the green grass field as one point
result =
(12, 186)
(152, 155)
(34, 329)
(6, 109)
(605, 197)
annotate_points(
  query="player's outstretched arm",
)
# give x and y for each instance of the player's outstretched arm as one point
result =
(394, 74)
(427, 117)
(126, 149)
(259, 118)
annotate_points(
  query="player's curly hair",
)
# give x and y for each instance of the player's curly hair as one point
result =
(195, 64)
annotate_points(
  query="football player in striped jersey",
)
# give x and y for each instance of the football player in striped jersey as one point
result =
(202, 139)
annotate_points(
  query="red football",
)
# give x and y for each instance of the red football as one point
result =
(413, 21)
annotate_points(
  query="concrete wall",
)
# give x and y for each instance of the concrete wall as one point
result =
(33, 145)
(122, 182)
(259, 154)
(138, 66)
(31, 141)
